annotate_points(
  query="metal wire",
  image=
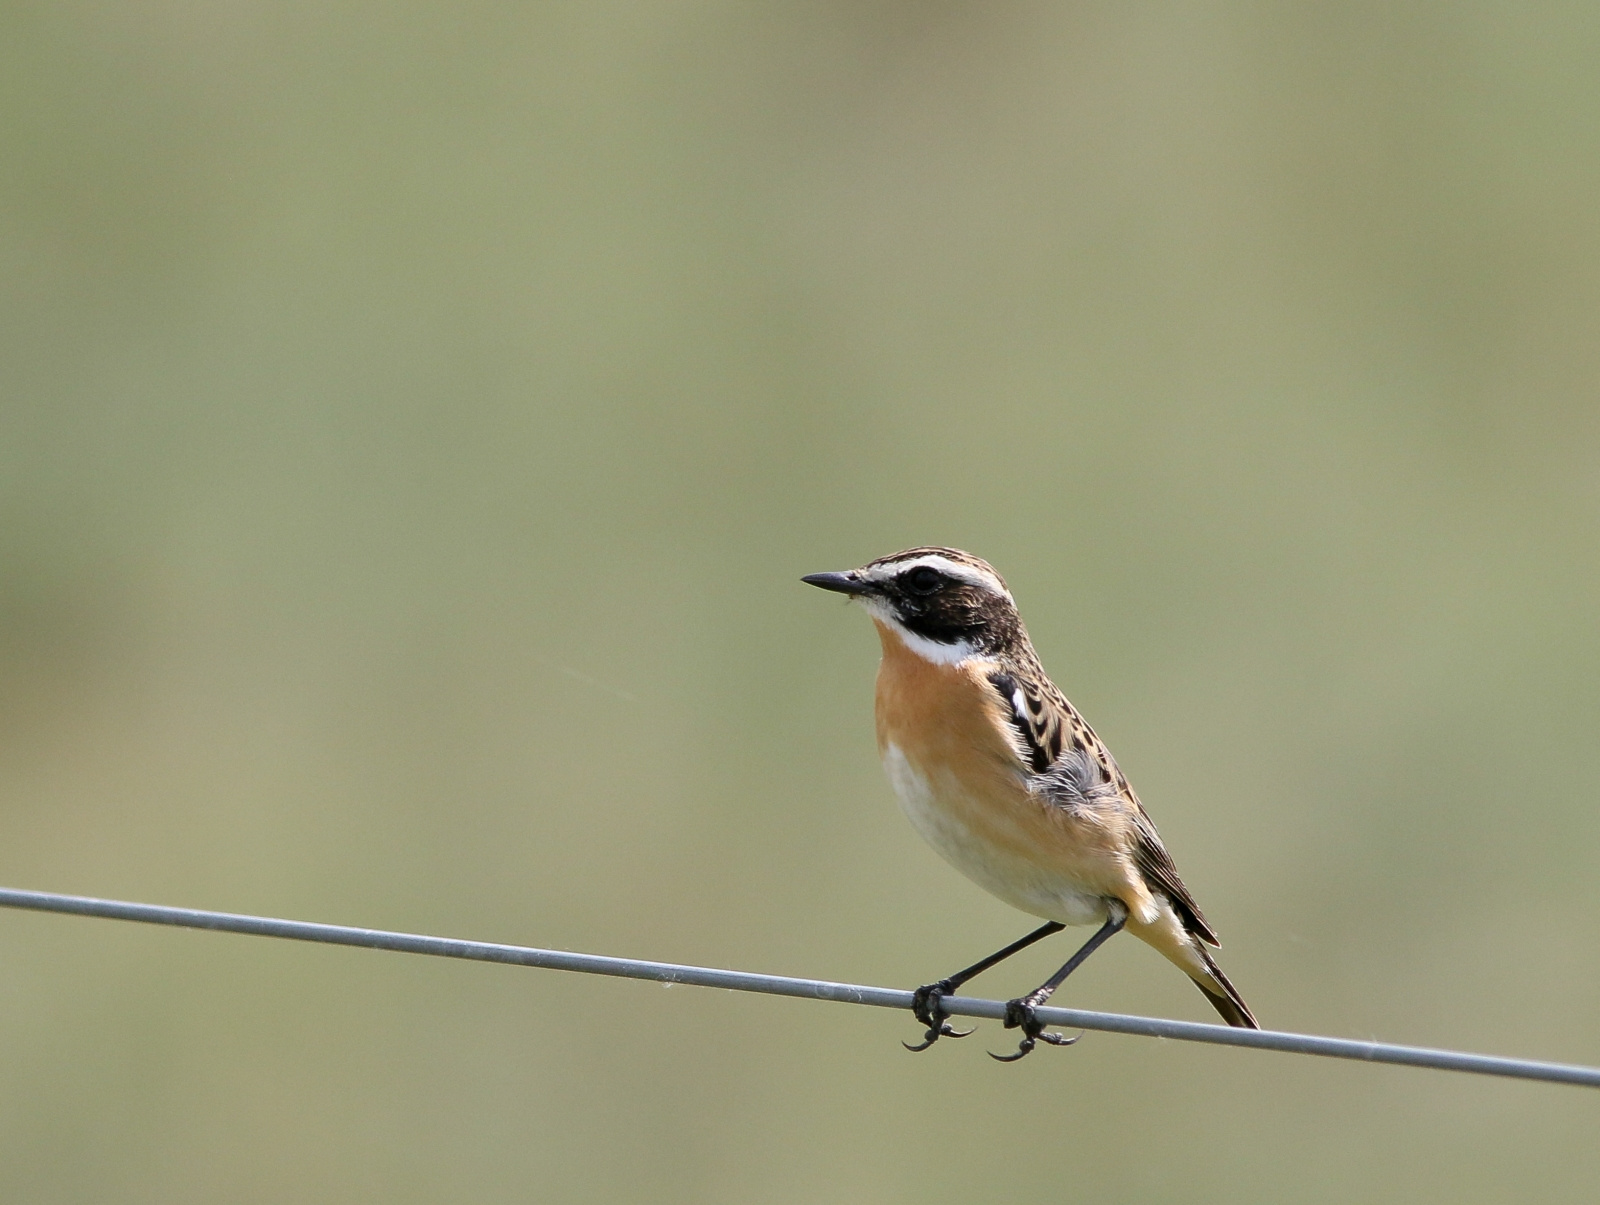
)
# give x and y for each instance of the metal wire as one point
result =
(806, 989)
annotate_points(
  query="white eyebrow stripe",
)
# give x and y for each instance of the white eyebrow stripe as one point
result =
(965, 573)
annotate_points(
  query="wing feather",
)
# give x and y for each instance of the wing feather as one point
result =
(1071, 766)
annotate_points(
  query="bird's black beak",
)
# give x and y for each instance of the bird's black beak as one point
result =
(840, 583)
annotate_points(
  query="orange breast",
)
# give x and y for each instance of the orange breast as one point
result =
(941, 716)
(943, 736)
(946, 722)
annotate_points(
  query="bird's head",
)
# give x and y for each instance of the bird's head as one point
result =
(946, 605)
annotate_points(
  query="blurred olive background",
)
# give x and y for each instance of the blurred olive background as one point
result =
(416, 419)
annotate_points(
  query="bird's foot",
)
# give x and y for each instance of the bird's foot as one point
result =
(927, 1006)
(1020, 1015)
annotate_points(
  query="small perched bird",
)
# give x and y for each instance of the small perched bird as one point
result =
(1003, 777)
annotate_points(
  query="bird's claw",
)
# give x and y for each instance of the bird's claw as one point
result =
(926, 1006)
(1020, 1015)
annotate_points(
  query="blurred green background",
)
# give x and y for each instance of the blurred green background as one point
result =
(416, 419)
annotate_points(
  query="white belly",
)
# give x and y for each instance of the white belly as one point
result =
(1020, 882)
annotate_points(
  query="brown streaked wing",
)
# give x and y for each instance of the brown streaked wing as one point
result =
(1037, 722)
(1155, 863)
(1041, 717)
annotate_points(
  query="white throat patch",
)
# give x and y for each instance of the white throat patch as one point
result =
(928, 650)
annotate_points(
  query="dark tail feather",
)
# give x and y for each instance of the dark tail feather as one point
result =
(1231, 1004)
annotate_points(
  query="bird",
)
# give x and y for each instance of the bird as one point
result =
(1006, 780)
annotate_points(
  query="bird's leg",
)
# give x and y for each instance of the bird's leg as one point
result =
(1020, 1012)
(925, 1001)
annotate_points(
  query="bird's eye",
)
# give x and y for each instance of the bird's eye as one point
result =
(924, 580)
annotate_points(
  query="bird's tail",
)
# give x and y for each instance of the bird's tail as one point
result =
(1224, 997)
